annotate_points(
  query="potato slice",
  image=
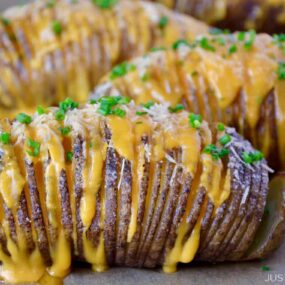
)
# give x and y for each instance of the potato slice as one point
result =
(271, 231)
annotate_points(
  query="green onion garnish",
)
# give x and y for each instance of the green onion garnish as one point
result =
(24, 118)
(5, 138)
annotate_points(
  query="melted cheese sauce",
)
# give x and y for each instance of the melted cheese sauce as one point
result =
(90, 41)
(221, 86)
(163, 135)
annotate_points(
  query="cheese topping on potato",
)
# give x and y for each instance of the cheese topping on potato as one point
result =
(58, 49)
(114, 183)
(238, 79)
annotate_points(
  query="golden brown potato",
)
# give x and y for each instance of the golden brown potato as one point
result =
(111, 183)
(51, 50)
(238, 79)
(262, 15)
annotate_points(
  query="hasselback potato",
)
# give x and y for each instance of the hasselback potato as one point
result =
(238, 79)
(54, 49)
(113, 183)
(262, 15)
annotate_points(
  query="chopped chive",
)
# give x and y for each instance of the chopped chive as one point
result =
(281, 70)
(265, 268)
(163, 22)
(56, 27)
(215, 152)
(194, 73)
(176, 108)
(105, 4)
(121, 70)
(139, 122)
(248, 43)
(241, 36)
(69, 156)
(204, 44)
(107, 104)
(24, 118)
(195, 120)
(93, 101)
(119, 112)
(5, 138)
(65, 130)
(148, 104)
(68, 104)
(220, 127)
(139, 113)
(225, 139)
(123, 100)
(232, 49)
(251, 157)
(5, 21)
(181, 42)
(59, 115)
(34, 148)
(41, 110)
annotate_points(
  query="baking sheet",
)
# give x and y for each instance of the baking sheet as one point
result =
(244, 273)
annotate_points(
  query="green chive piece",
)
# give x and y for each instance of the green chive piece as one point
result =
(225, 139)
(69, 156)
(93, 101)
(195, 120)
(59, 115)
(194, 73)
(148, 104)
(163, 22)
(232, 49)
(121, 70)
(215, 152)
(24, 118)
(65, 130)
(56, 27)
(123, 100)
(41, 110)
(105, 4)
(5, 138)
(241, 36)
(204, 44)
(175, 109)
(107, 104)
(119, 112)
(181, 42)
(5, 21)
(265, 268)
(139, 113)
(220, 127)
(248, 43)
(68, 104)
(34, 148)
(252, 157)
(281, 70)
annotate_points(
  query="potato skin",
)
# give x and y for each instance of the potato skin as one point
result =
(170, 193)
(90, 41)
(236, 15)
(193, 74)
